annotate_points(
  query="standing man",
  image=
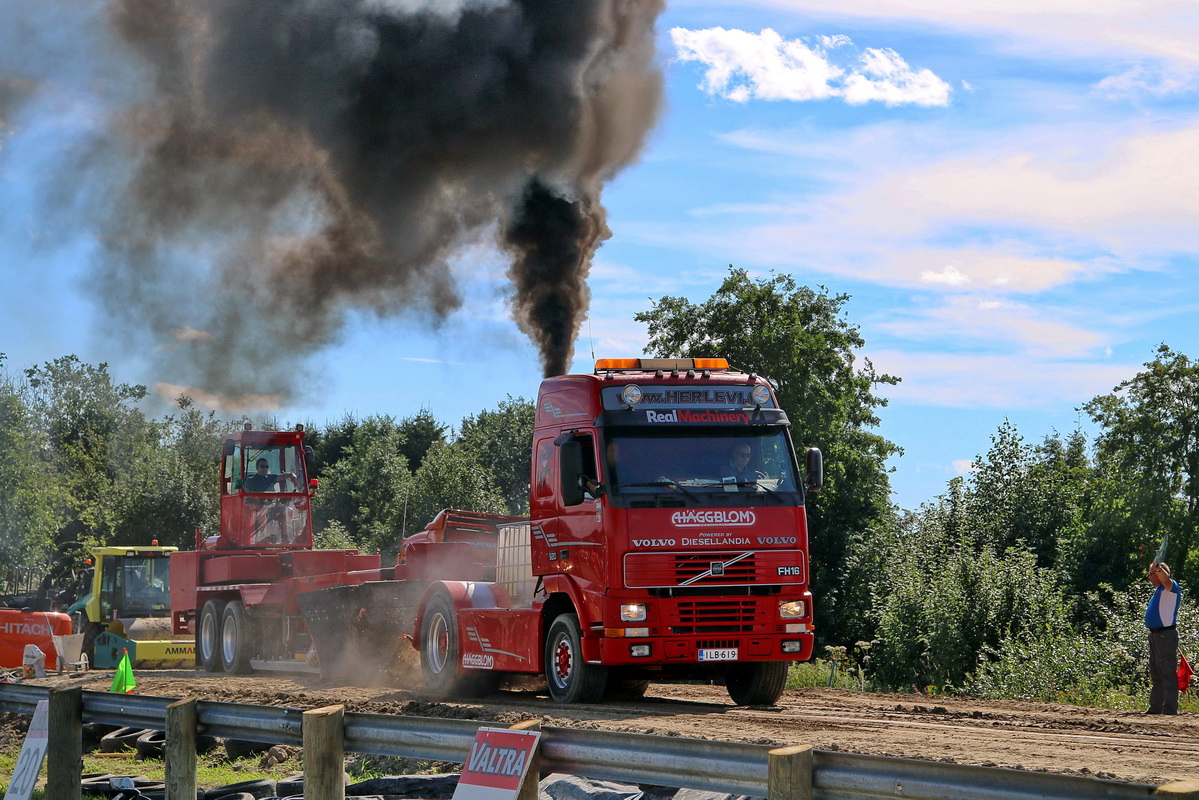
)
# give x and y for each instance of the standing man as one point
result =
(1160, 618)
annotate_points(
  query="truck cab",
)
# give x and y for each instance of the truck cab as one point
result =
(667, 540)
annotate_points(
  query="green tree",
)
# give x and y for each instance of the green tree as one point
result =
(29, 494)
(450, 477)
(502, 441)
(1149, 446)
(366, 491)
(800, 339)
(172, 491)
(96, 437)
(420, 431)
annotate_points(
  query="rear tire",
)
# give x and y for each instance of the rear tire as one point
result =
(237, 639)
(570, 678)
(439, 650)
(756, 683)
(208, 636)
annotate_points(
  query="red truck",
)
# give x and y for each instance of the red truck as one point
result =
(666, 540)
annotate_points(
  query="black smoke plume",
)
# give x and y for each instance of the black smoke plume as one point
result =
(292, 160)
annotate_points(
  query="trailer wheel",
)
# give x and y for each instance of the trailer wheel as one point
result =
(208, 636)
(439, 652)
(570, 678)
(236, 639)
(756, 683)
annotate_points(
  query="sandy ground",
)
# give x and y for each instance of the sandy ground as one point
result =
(1033, 736)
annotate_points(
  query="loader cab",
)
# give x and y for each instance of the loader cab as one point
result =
(265, 494)
(127, 583)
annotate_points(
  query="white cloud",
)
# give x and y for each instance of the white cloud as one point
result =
(963, 466)
(949, 276)
(1148, 79)
(887, 78)
(1162, 29)
(996, 381)
(1038, 333)
(744, 66)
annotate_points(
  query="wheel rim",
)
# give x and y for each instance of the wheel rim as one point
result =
(207, 637)
(439, 653)
(564, 658)
(229, 639)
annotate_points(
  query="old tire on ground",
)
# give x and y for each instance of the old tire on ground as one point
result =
(570, 678)
(263, 787)
(121, 739)
(151, 744)
(237, 638)
(208, 635)
(756, 683)
(240, 748)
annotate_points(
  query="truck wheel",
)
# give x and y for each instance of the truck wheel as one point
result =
(236, 639)
(571, 680)
(208, 635)
(439, 652)
(756, 683)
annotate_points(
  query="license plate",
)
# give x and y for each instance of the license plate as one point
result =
(723, 654)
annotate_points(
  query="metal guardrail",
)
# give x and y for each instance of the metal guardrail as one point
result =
(727, 767)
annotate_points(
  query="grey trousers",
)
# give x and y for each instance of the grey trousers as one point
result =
(1163, 671)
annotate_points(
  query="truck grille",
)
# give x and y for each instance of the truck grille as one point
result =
(668, 570)
(714, 616)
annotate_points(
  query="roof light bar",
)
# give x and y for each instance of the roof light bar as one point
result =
(660, 364)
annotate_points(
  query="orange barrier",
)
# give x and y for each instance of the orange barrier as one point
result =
(19, 628)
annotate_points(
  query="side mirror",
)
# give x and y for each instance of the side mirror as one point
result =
(309, 459)
(570, 467)
(229, 445)
(815, 466)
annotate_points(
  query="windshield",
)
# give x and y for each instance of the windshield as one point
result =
(701, 464)
(271, 469)
(136, 586)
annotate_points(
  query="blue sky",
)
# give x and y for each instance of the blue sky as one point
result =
(1009, 193)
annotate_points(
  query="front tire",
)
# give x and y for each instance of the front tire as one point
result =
(208, 636)
(236, 639)
(570, 678)
(756, 683)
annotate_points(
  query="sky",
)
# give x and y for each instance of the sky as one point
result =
(1008, 191)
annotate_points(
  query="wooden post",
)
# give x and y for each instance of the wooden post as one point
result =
(179, 755)
(789, 772)
(529, 787)
(324, 753)
(64, 755)
(1178, 790)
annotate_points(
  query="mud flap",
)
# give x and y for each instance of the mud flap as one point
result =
(359, 631)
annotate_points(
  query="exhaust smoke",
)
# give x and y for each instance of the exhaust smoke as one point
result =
(286, 163)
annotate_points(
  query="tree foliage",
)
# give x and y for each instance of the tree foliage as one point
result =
(502, 442)
(1149, 445)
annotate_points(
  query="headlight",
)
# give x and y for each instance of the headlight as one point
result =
(760, 394)
(631, 395)
(632, 612)
(791, 609)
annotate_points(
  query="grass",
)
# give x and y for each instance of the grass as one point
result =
(212, 769)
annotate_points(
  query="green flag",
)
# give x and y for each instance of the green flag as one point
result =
(123, 682)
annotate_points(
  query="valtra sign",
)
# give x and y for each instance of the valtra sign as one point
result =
(740, 518)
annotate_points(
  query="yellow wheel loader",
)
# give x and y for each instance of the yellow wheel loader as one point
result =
(125, 605)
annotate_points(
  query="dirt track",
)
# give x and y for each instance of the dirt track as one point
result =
(1033, 736)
